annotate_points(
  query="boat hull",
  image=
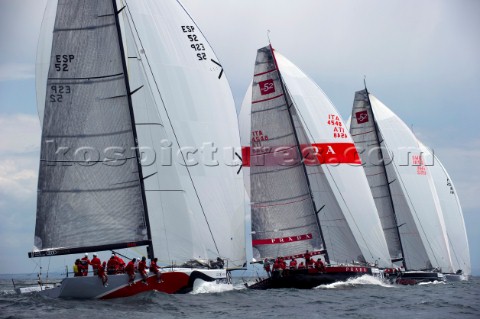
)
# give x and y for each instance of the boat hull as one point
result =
(172, 282)
(416, 277)
(310, 278)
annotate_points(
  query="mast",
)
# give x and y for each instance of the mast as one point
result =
(315, 211)
(150, 252)
(388, 183)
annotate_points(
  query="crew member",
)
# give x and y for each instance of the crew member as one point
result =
(142, 269)
(77, 270)
(101, 274)
(96, 263)
(266, 266)
(112, 265)
(319, 265)
(155, 269)
(293, 264)
(130, 270)
(85, 262)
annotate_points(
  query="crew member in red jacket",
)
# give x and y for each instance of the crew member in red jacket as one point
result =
(307, 257)
(293, 264)
(319, 265)
(112, 265)
(142, 269)
(120, 264)
(155, 269)
(96, 263)
(85, 262)
(130, 270)
(101, 274)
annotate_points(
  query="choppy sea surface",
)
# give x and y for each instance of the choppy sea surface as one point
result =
(364, 297)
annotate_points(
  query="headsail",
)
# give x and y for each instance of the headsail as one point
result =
(452, 212)
(196, 200)
(90, 184)
(414, 180)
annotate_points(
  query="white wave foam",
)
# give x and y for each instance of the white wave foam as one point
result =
(432, 283)
(363, 280)
(204, 287)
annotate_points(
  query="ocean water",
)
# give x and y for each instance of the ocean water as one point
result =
(364, 297)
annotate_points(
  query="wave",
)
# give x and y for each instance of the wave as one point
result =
(204, 287)
(432, 283)
(358, 281)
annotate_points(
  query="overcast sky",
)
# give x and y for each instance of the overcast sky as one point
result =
(420, 58)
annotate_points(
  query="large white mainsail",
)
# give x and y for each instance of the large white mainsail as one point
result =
(187, 131)
(340, 218)
(452, 212)
(413, 180)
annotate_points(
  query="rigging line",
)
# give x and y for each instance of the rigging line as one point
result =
(175, 134)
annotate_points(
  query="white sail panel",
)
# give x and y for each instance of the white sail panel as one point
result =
(347, 180)
(415, 180)
(245, 125)
(196, 106)
(44, 49)
(452, 213)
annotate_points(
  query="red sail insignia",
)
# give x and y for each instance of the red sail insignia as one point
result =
(266, 87)
(281, 240)
(362, 117)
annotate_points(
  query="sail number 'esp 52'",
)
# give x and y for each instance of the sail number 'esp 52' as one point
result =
(198, 47)
(62, 63)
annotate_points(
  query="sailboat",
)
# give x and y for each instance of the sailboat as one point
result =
(402, 182)
(128, 90)
(308, 196)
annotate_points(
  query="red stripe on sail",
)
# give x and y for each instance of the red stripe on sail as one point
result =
(266, 72)
(282, 240)
(314, 154)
